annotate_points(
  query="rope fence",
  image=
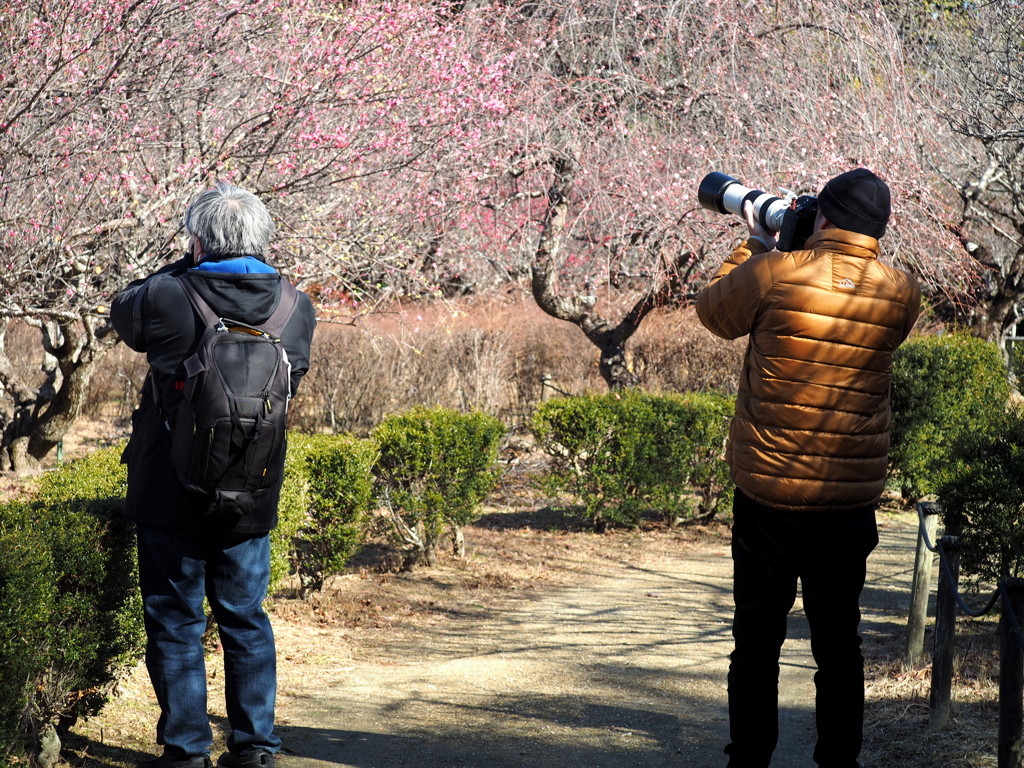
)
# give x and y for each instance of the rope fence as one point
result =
(1000, 589)
(944, 562)
(948, 599)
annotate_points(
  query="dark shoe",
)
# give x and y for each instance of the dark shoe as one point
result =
(177, 761)
(254, 758)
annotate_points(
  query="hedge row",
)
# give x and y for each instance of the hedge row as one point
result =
(956, 436)
(70, 614)
(625, 453)
(942, 387)
(981, 490)
(430, 467)
(434, 470)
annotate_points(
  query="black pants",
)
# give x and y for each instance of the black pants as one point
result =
(828, 553)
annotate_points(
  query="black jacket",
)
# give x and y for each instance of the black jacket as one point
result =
(153, 315)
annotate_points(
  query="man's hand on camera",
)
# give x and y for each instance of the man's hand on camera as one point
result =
(757, 229)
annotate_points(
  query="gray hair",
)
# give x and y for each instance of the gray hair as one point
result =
(230, 221)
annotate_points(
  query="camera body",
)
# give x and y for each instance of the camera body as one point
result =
(792, 217)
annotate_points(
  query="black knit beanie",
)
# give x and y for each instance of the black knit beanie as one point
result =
(857, 201)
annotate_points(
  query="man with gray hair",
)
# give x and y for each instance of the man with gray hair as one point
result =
(188, 548)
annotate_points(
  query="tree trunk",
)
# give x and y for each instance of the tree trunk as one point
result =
(614, 366)
(49, 747)
(423, 549)
(997, 306)
(38, 418)
(458, 541)
(423, 552)
(412, 557)
(59, 414)
(430, 552)
(17, 457)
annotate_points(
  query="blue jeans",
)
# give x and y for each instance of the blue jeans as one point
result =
(176, 570)
(828, 552)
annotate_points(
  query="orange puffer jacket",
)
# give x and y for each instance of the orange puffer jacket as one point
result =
(811, 430)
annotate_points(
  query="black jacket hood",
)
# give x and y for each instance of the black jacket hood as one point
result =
(248, 297)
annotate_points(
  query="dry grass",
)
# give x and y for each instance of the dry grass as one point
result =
(114, 387)
(896, 715)
(489, 354)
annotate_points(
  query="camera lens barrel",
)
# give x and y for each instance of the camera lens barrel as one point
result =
(711, 192)
(724, 194)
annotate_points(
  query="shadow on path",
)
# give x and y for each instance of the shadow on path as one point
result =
(625, 670)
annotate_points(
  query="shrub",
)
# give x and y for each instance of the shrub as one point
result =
(625, 452)
(982, 497)
(291, 510)
(941, 386)
(26, 600)
(98, 480)
(69, 577)
(435, 467)
(332, 478)
(673, 352)
(95, 486)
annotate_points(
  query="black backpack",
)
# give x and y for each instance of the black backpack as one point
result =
(228, 437)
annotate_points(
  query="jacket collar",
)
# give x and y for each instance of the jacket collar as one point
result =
(843, 241)
(236, 265)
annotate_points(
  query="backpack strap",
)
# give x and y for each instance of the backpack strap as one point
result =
(198, 302)
(276, 323)
(209, 317)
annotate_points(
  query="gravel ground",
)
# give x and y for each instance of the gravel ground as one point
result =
(625, 669)
(622, 664)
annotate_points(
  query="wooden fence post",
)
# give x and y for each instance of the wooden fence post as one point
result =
(923, 559)
(1011, 677)
(945, 634)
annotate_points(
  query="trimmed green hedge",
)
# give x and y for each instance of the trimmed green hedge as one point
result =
(982, 495)
(623, 453)
(291, 510)
(436, 466)
(941, 387)
(331, 480)
(71, 620)
(27, 599)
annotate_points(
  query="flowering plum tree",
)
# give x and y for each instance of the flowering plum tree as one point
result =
(415, 147)
(114, 113)
(624, 106)
(971, 68)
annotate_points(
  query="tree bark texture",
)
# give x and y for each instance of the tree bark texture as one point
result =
(39, 415)
(610, 338)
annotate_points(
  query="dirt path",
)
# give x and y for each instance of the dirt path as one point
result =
(625, 668)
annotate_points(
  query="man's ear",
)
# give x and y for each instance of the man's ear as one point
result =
(197, 250)
(821, 222)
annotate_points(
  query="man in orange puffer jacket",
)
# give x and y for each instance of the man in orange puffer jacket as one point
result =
(808, 449)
